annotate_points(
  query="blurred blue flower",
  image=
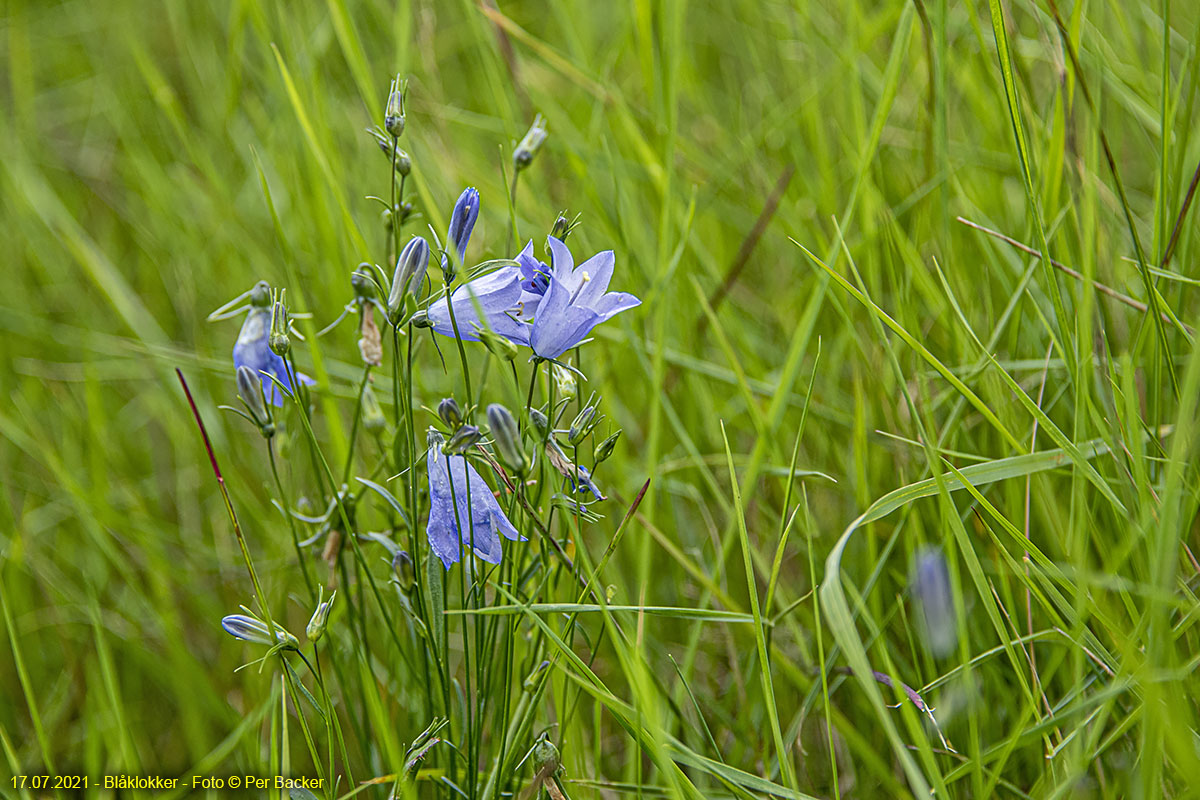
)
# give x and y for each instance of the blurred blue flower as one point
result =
(575, 300)
(483, 520)
(462, 222)
(253, 350)
(932, 590)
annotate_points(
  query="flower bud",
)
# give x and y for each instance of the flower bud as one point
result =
(462, 222)
(563, 226)
(250, 390)
(410, 272)
(508, 440)
(403, 163)
(463, 440)
(529, 146)
(499, 346)
(604, 450)
(546, 758)
(320, 617)
(260, 295)
(531, 680)
(253, 629)
(393, 114)
(565, 382)
(406, 573)
(363, 284)
(541, 423)
(582, 425)
(278, 339)
(372, 415)
(450, 413)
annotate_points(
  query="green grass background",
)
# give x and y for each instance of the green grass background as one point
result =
(132, 205)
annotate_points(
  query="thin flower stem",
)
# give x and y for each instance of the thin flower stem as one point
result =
(283, 499)
(462, 353)
(362, 387)
(237, 527)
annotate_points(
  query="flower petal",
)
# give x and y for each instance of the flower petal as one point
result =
(595, 275)
(498, 295)
(559, 326)
(561, 260)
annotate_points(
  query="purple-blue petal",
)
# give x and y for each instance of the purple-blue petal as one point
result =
(449, 479)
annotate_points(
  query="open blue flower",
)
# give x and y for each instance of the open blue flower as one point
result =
(253, 350)
(452, 480)
(575, 301)
(550, 309)
(504, 306)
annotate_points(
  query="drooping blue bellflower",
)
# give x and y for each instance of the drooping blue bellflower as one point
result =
(452, 480)
(253, 350)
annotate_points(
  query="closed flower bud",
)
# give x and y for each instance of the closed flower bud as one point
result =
(499, 346)
(320, 617)
(406, 573)
(508, 439)
(531, 681)
(529, 146)
(565, 382)
(253, 629)
(372, 415)
(582, 425)
(403, 163)
(250, 390)
(463, 440)
(563, 226)
(541, 423)
(410, 272)
(278, 340)
(605, 449)
(393, 114)
(260, 295)
(450, 413)
(546, 758)
(462, 222)
(361, 281)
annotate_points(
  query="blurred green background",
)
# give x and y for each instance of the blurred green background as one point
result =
(137, 141)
